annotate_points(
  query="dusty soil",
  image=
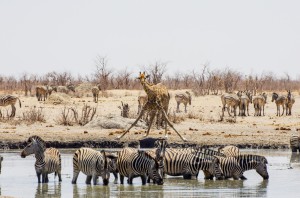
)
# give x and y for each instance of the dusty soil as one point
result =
(200, 125)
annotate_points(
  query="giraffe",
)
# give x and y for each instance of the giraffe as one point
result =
(158, 102)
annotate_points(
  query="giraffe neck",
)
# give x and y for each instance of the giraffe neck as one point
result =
(147, 88)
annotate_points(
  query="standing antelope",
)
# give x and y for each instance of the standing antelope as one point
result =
(290, 103)
(9, 100)
(259, 104)
(279, 100)
(184, 98)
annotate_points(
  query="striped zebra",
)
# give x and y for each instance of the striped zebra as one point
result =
(231, 168)
(93, 164)
(279, 100)
(290, 103)
(184, 98)
(250, 162)
(245, 99)
(295, 143)
(189, 164)
(95, 92)
(259, 104)
(229, 151)
(1, 159)
(65, 89)
(133, 163)
(9, 100)
(231, 100)
(47, 160)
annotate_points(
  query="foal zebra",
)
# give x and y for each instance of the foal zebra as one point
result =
(290, 103)
(93, 164)
(279, 100)
(184, 98)
(295, 143)
(47, 160)
(231, 100)
(9, 100)
(133, 163)
(95, 92)
(259, 104)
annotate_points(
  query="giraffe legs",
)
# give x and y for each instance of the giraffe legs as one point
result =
(133, 124)
(170, 124)
(152, 116)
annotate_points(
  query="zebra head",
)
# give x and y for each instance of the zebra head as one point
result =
(71, 87)
(215, 169)
(1, 159)
(34, 144)
(156, 168)
(261, 166)
(274, 96)
(102, 167)
(161, 145)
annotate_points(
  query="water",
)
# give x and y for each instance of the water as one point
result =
(18, 179)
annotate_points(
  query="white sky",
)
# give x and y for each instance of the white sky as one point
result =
(59, 35)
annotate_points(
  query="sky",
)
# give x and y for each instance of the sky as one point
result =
(250, 36)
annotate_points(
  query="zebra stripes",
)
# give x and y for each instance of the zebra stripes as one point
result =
(279, 100)
(229, 151)
(290, 103)
(9, 100)
(47, 160)
(245, 99)
(295, 143)
(133, 163)
(95, 92)
(231, 167)
(93, 164)
(188, 164)
(184, 98)
(259, 104)
(231, 100)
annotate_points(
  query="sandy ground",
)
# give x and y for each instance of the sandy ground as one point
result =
(201, 124)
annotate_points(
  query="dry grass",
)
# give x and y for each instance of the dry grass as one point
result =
(33, 115)
(176, 118)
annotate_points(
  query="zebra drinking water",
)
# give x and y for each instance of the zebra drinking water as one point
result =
(93, 164)
(47, 160)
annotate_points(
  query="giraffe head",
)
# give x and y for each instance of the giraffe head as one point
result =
(143, 76)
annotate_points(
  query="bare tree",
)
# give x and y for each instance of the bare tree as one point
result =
(156, 71)
(102, 73)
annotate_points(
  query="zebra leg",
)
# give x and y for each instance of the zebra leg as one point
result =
(152, 115)
(170, 124)
(13, 111)
(39, 177)
(243, 177)
(75, 176)
(185, 108)
(144, 178)
(187, 176)
(133, 124)
(116, 177)
(177, 110)
(228, 111)
(88, 179)
(95, 178)
(44, 177)
(282, 110)
(121, 179)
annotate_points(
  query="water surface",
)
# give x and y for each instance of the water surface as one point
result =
(18, 179)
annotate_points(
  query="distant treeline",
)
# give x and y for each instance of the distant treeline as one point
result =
(202, 81)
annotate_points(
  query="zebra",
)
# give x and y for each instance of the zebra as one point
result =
(295, 143)
(259, 104)
(229, 150)
(93, 164)
(279, 100)
(231, 100)
(184, 98)
(231, 168)
(66, 89)
(6, 100)
(257, 162)
(95, 92)
(44, 91)
(47, 160)
(188, 164)
(290, 103)
(245, 99)
(1, 159)
(132, 163)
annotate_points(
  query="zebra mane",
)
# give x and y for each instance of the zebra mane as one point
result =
(258, 158)
(38, 139)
